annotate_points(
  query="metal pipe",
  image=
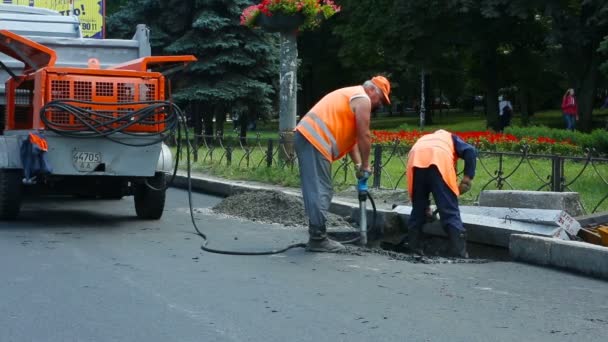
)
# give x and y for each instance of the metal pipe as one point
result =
(363, 219)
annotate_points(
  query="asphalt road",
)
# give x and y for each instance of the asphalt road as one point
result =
(89, 271)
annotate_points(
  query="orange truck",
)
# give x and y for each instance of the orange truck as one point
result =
(93, 130)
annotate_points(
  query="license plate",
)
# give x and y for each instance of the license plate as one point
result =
(86, 161)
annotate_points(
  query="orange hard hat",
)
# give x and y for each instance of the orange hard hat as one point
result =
(384, 85)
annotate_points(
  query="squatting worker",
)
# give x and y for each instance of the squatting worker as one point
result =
(338, 124)
(431, 168)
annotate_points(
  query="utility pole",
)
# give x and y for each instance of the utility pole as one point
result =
(422, 100)
(288, 90)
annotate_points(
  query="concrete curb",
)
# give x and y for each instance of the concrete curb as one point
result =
(570, 255)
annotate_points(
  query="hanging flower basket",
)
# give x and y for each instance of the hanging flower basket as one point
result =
(288, 15)
(281, 22)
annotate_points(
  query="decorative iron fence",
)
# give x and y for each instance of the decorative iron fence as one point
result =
(587, 175)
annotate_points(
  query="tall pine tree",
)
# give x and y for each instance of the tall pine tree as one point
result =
(236, 68)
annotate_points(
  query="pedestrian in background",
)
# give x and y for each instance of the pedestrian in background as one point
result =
(335, 126)
(431, 169)
(570, 109)
(505, 110)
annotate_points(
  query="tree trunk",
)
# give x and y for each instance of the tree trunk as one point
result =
(489, 65)
(428, 95)
(587, 93)
(422, 100)
(220, 119)
(197, 123)
(288, 92)
(525, 105)
(243, 122)
(207, 114)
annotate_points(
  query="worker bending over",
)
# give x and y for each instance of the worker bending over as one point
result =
(338, 124)
(431, 168)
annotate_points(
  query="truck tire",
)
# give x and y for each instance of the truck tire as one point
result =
(150, 203)
(11, 189)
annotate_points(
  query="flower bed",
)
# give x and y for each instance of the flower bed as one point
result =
(487, 141)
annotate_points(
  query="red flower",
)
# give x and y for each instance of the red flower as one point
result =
(474, 137)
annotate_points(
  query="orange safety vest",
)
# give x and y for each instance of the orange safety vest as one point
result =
(434, 149)
(330, 125)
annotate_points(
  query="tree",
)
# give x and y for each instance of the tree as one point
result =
(578, 28)
(236, 65)
(114, 5)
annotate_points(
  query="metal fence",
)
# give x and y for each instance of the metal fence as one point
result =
(522, 170)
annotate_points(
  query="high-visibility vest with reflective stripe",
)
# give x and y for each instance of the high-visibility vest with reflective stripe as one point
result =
(434, 149)
(330, 125)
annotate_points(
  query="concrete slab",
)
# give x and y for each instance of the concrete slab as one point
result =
(595, 219)
(550, 217)
(567, 201)
(571, 255)
(489, 230)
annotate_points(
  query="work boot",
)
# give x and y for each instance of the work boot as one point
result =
(324, 244)
(414, 235)
(458, 242)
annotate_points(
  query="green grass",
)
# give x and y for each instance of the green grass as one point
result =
(451, 120)
(529, 174)
(522, 175)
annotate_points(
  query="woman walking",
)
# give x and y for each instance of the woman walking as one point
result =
(570, 109)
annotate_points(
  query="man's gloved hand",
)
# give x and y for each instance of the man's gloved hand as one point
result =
(362, 177)
(465, 185)
(362, 172)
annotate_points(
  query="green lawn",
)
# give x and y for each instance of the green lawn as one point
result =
(452, 120)
(527, 174)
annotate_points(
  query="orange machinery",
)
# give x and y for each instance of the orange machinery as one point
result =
(119, 89)
(104, 128)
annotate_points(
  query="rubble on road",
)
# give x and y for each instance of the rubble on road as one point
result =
(271, 207)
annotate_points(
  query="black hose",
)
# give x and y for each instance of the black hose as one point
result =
(232, 252)
(95, 124)
(203, 236)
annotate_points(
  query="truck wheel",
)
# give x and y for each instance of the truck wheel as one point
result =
(10, 194)
(150, 203)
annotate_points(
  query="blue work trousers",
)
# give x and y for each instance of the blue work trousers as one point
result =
(429, 181)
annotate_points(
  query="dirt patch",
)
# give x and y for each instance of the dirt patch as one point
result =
(400, 256)
(271, 207)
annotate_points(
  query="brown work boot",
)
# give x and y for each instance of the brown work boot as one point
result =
(324, 245)
(414, 244)
(458, 242)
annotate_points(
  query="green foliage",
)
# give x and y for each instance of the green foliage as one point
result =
(236, 66)
(597, 140)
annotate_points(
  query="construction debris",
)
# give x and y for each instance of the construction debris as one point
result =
(494, 226)
(603, 232)
(271, 207)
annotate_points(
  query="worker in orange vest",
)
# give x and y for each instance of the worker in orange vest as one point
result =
(336, 125)
(431, 168)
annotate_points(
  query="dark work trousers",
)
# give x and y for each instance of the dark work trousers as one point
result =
(427, 181)
(317, 190)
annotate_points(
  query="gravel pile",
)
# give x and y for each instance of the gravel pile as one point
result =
(271, 207)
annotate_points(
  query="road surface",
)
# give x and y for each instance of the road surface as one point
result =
(89, 271)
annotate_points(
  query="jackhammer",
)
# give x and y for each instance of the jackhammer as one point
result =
(363, 192)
